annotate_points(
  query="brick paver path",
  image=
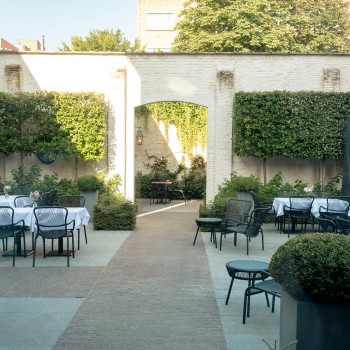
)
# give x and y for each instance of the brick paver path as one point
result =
(155, 293)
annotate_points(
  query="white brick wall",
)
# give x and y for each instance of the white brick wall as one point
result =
(130, 80)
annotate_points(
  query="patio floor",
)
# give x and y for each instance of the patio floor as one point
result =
(146, 289)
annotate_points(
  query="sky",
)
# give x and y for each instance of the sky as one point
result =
(59, 20)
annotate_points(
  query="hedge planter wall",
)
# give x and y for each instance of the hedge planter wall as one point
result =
(303, 124)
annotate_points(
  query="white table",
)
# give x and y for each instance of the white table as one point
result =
(80, 215)
(279, 203)
(7, 202)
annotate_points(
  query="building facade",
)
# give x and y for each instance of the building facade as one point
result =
(156, 20)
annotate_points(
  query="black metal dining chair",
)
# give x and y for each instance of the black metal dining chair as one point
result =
(51, 223)
(74, 201)
(337, 206)
(9, 228)
(268, 286)
(23, 202)
(299, 209)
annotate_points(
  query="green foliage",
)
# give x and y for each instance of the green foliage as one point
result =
(316, 265)
(290, 124)
(89, 183)
(29, 180)
(56, 124)
(263, 26)
(114, 212)
(102, 41)
(196, 184)
(143, 185)
(110, 183)
(82, 117)
(190, 121)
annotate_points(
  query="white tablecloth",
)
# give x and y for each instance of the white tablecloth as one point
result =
(279, 203)
(7, 202)
(80, 215)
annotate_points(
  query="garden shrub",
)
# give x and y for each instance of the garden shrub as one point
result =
(89, 183)
(316, 265)
(114, 212)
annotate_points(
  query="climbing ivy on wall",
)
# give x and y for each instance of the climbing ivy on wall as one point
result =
(190, 121)
(290, 124)
(54, 123)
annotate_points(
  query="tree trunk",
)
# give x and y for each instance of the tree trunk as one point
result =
(264, 171)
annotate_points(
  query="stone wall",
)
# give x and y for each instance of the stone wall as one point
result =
(207, 79)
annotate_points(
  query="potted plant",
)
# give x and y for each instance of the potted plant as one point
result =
(89, 185)
(314, 272)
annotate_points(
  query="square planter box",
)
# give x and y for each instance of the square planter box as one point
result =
(90, 200)
(315, 325)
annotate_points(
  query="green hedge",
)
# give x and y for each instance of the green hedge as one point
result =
(114, 212)
(290, 124)
(57, 124)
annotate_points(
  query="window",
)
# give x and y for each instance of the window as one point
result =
(159, 21)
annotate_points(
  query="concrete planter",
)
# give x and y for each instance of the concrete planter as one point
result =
(91, 198)
(315, 325)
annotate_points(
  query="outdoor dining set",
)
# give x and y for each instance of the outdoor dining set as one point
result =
(164, 190)
(44, 219)
(292, 213)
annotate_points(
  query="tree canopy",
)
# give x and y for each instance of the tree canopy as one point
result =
(264, 26)
(102, 41)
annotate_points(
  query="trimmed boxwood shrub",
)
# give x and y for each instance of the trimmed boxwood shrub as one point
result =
(316, 266)
(89, 183)
(114, 212)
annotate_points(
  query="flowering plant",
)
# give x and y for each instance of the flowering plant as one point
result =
(34, 195)
(6, 188)
(159, 164)
(198, 162)
(308, 189)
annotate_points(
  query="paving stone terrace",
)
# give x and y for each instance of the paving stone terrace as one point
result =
(146, 289)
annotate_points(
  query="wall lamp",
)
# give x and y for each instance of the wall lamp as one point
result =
(139, 136)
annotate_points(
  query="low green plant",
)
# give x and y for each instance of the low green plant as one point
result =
(89, 183)
(114, 212)
(315, 266)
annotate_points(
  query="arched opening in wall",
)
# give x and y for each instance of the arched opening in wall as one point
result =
(173, 147)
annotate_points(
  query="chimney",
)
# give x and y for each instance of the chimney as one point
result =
(43, 43)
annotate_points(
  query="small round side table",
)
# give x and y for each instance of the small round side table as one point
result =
(244, 270)
(212, 223)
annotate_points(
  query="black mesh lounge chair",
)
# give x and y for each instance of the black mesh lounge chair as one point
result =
(267, 286)
(337, 206)
(23, 202)
(51, 223)
(47, 199)
(327, 225)
(73, 201)
(343, 226)
(9, 228)
(252, 227)
(237, 212)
